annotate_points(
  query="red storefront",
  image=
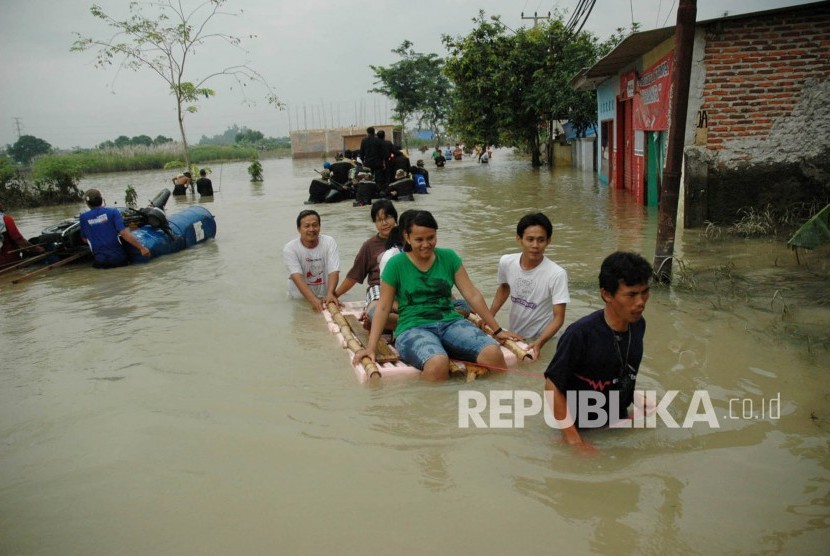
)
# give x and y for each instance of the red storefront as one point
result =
(642, 119)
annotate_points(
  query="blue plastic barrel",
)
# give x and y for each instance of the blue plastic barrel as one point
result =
(189, 227)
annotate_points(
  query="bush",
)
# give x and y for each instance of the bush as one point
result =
(56, 179)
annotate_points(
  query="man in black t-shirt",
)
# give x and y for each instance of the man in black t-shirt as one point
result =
(203, 185)
(601, 352)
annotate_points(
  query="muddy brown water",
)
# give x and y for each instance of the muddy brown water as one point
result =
(186, 406)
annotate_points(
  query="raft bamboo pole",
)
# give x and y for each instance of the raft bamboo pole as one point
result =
(25, 248)
(50, 267)
(352, 342)
(26, 262)
(518, 350)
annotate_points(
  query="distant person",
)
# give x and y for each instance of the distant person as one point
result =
(203, 185)
(420, 176)
(13, 246)
(601, 353)
(536, 286)
(365, 190)
(340, 171)
(181, 183)
(438, 157)
(401, 188)
(372, 153)
(313, 263)
(390, 153)
(103, 230)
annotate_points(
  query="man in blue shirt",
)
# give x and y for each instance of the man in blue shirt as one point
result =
(103, 229)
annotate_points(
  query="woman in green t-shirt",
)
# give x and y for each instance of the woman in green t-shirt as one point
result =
(429, 330)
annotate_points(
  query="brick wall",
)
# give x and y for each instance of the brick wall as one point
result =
(765, 102)
(759, 71)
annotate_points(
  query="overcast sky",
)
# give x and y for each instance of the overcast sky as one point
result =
(315, 53)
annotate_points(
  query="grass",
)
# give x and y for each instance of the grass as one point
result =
(130, 159)
(764, 222)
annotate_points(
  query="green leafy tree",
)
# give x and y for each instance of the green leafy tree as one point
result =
(143, 140)
(106, 145)
(249, 136)
(57, 177)
(476, 92)
(161, 140)
(28, 147)
(121, 141)
(228, 137)
(164, 43)
(509, 85)
(417, 85)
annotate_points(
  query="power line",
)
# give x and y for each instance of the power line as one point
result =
(536, 17)
(670, 11)
(580, 16)
(17, 125)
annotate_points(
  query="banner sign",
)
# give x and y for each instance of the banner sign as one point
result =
(651, 103)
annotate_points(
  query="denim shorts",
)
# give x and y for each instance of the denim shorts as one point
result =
(459, 339)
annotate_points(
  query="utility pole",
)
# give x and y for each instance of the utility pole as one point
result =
(536, 18)
(17, 125)
(684, 36)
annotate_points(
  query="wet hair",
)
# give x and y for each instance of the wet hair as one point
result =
(421, 218)
(308, 212)
(386, 206)
(188, 174)
(630, 268)
(93, 198)
(537, 219)
(395, 238)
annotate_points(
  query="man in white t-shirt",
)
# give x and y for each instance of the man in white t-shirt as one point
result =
(537, 286)
(313, 263)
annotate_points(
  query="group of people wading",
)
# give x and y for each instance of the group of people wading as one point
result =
(379, 170)
(409, 293)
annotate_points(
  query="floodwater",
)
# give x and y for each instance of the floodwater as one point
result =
(186, 406)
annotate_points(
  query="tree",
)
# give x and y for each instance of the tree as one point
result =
(508, 87)
(28, 147)
(121, 141)
(161, 140)
(228, 137)
(249, 136)
(476, 93)
(144, 140)
(417, 85)
(163, 43)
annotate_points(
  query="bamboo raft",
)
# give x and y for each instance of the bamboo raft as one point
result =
(344, 323)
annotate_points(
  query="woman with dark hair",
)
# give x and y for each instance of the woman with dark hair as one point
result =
(365, 266)
(429, 330)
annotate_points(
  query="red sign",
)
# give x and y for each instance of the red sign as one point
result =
(651, 103)
(627, 81)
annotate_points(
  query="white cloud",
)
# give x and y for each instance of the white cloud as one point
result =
(316, 54)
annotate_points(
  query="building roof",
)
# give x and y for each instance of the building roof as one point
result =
(635, 45)
(627, 52)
